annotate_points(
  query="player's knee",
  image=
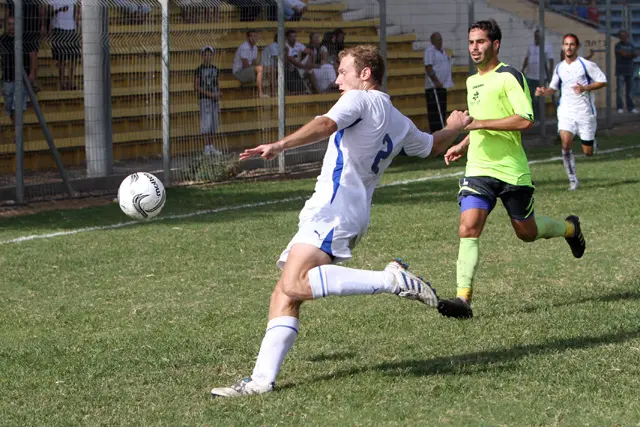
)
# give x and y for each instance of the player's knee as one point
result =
(292, 288)
(466, 230)
(527, 235)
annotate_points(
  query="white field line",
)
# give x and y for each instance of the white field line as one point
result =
(260, 204)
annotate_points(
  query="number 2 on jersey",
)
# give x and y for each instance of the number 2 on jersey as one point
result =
(382, 154)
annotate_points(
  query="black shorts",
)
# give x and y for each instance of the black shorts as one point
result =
(517, 199)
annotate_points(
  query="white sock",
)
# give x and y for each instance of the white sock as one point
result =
(569, 161)
(329, 280)
(278, 340)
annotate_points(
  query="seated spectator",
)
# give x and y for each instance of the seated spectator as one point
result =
(194, 11)
(7, 55)
(205, 84)
(294, 9)
(65, 40)
(245, 67)
(295, 68)
(269, 56)
(334, 46)
(320, 72)
(251, 9)
(593, 11)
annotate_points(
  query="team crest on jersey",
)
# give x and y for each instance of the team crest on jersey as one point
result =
(476, 96)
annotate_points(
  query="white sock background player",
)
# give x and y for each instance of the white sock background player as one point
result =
(365, 133)
(577, 77)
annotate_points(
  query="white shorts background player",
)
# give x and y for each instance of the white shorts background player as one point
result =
(577, 78)
(365, 133)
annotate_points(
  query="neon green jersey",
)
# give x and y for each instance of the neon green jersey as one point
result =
(500, 93)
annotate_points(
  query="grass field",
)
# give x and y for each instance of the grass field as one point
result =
(134, 325)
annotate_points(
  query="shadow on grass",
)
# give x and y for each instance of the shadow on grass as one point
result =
(328, 357)
(480, 361)
(613, 297)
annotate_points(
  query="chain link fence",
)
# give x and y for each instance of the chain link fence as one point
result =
(180, 87)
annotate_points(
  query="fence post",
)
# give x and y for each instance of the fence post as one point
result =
(542, 69)
(282, 118)
(166, 91)
(96, 100)
(19, 99)
(471, 17)
(383, 39)
(608, 113)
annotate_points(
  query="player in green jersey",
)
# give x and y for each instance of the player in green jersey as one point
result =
(497, 167)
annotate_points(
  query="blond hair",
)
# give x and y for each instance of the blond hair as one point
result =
(366, 56)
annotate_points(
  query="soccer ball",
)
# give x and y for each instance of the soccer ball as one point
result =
(141, 195)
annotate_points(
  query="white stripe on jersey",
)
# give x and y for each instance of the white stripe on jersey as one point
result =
(566, 76)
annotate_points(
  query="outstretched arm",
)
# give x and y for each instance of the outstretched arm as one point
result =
(514, 122)
(443, 138)
(545, 91)
(316, 130)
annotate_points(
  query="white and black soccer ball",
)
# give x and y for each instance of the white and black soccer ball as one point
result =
(141, 195)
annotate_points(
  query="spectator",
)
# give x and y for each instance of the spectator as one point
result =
(135, 12)
(437, 65)
(245, 66)
(295, 67)
(34, 28)
(269, 56)
(320, 72)
(593, 11)
(7, 54)
(194, 11)
(205, 84)
(625, 54)
(294, 9)
(531, 69)
(334, 47)
(250, 9)
(65, 41)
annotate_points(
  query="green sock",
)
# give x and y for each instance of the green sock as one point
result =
(467, 263)
(549, 227)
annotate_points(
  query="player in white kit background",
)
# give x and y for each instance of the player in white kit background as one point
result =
(577, 77)
(365, 133)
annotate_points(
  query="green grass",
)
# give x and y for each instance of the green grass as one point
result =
(133, 326)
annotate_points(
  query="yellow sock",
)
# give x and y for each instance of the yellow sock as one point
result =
(571, 229)
(465, 293)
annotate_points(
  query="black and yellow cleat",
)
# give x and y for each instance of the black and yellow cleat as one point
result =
(576, 242)
(456, 308)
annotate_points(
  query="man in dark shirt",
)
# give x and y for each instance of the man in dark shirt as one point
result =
(7, 53)
(625, 54)
(206, 86)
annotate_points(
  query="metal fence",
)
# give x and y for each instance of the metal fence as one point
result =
(179, 87)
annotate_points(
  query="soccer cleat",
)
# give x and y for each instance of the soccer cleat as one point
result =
(635, 111)
(410, 286)
(576, 242)
(456, 308)
(620, 111)
(573, 185)
(243, 387)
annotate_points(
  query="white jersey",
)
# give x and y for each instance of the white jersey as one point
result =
(244, 51)
(566, 76)
(371, 133)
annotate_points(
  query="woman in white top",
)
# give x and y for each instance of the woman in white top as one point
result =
(65, 40)
(320, 71)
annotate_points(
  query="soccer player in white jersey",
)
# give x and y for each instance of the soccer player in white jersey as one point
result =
(365, 133)
(578, 78)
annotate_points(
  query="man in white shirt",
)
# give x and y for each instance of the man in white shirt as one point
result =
(577, 77)
(365, 133)
(245, 66)
(531, 68)
(437, 65)
(65, 41)
(295, 68)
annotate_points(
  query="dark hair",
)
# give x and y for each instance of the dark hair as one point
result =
(366, 56)
(290, 31)
(491, 27)
(338, 31)
(571, 35)
(251, 31)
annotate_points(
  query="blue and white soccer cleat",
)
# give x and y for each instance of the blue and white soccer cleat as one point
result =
(410, 286)
(243, 387)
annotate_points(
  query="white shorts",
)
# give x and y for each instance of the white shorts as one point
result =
(322, 229)
(584, 126)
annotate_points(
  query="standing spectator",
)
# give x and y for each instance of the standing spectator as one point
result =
(7, 53)
(295, 67)
(65, 41)
(205, 84)
(593, 11)
(34, 28)
(625, 54)
(531, 69)
(245, 66)
(437, 65)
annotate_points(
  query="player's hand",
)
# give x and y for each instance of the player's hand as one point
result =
(266, 151)
(540, 91)
(459, 120)
(579, 89)
(454, 153)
